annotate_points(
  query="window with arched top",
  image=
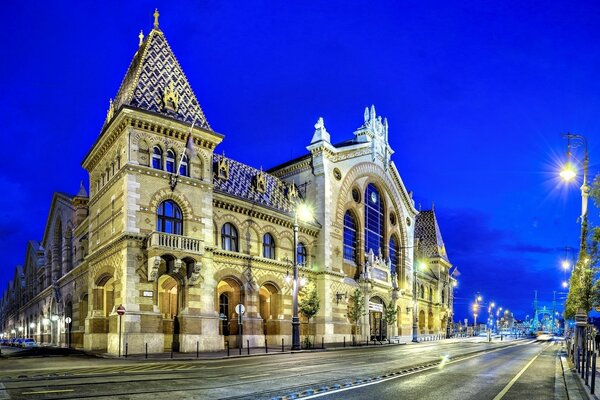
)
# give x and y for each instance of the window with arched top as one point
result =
(169, 218)
(430, 294)
(393, 252)
(422, 292)
(157, 158)
(350, 237)
(184, 168)
(170, 165)
(301, 254)
(268, 246)
(443, 296)
(373, 219)
(229, 237)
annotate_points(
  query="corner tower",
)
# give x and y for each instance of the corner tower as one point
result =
(150, 209)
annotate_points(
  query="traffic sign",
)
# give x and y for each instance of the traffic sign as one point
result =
(68, 320)
(240, 309)
(121, 310)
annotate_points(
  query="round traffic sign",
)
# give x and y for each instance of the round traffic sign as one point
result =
(68, 320)
(121, 309)
(240, 309)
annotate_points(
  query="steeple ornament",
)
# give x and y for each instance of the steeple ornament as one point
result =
(141, 36)
(375, 130)
(223, 168)
(260, 182)
(111, 110)
(321, 133)
(156, 15)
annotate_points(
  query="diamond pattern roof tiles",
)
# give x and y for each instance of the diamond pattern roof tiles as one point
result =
(154, 67)
(428, 232)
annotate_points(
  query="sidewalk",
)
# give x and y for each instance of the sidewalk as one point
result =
(575, 387)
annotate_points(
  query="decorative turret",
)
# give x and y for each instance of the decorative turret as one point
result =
(375, 130)
(155, 82)
(428, 232)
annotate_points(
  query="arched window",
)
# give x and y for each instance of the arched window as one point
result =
(224, 313)
(170, 161)
(301, 254)
(422, 292)
(393, 251)
(373, 220)
(169, 218)
(157, 158)
(184, 166)
(229, 237)
(350, 237)
(268, 246)
(430, 294)
(443, 295)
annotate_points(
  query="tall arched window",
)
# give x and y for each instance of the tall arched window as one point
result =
(422, 292)
(443, 295)
(430, 294)
(157, 158)
(184, 166)
(268, 246)
(393, 251)
(229, 237)
(169, 218)
(350, 237)
(373, 220)
(170, 161)
(301, 254)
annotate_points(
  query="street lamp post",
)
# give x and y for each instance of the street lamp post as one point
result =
(304, 213)
(416, 265)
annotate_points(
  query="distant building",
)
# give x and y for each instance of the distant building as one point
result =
(179, 234)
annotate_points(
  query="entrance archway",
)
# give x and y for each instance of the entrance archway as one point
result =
(376, 322)
(169, 304)
(229, 294)
(269, 307)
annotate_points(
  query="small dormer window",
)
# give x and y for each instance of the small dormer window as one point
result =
(170, 98)
(260, 182)
(223, 169)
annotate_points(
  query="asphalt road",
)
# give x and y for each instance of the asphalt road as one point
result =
(469, 370)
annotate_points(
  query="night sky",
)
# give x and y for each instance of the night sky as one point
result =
(477, 97)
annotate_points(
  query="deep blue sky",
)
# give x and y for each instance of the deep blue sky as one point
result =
(476, 95)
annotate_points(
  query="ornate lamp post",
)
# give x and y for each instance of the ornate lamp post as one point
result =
(418, 264)
(303, 212)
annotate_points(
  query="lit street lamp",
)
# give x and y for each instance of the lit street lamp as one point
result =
(302, 212)
(418, 265)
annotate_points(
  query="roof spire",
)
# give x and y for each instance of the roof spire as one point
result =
(156, 15)
(141, 36)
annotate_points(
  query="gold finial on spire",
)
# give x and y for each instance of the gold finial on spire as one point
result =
(156, 15)
(141, 36)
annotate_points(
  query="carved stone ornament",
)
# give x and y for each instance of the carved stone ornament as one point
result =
(170, 98)
(223, 169)
(260, 182)
(111, 110)
(153, 265)
(177, 266)
(195, 276)
(292, 191)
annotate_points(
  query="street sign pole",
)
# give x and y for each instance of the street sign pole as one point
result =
(240, 309)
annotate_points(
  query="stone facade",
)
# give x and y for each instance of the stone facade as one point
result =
(178, 235)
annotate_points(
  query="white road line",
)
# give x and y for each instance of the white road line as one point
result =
(3, 393)
(314, 396)
(514, 380)
(253, 376)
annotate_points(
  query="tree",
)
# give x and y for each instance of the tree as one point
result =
(391, 313)
(356, 308)
(310, 303)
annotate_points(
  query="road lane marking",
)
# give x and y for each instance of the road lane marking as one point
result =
(3, 393)
(253, 376)
(514, 380)
(418, 370)
(50, 391)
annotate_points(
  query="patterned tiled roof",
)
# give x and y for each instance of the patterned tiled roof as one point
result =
(428, 232)
(240, 183)
(151, 72)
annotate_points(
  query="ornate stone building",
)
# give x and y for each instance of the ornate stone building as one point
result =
(179, 234)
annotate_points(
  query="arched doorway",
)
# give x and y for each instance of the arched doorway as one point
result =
(169, 304)
(229, 294)
(376, 322)
(269, 307)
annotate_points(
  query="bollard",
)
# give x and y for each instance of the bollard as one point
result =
(240, 348)
(266, 347)
(587, 368)
(227, 348)
(197, 349)
(593, 385)
(322, 343)
(282, 348)
(171, 351)
(146, 350)
(344, 341)
(248, 346)
(126, 346)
